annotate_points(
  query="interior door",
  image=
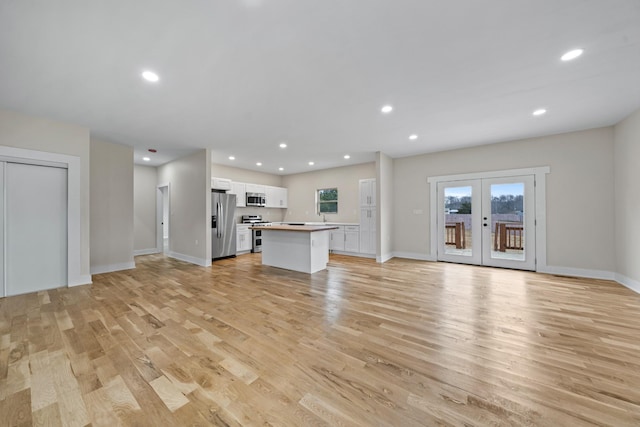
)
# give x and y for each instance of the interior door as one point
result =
(2, 222)
(36, 228)
(488, 221)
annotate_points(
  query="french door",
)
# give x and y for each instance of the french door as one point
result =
(487, 221)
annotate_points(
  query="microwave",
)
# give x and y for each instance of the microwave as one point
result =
(256, 199)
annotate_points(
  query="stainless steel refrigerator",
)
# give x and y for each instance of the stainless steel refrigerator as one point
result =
(223, 225)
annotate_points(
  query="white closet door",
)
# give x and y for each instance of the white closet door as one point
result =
(2, 289)
(36, 228)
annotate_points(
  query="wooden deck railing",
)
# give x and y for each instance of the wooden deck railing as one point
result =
(508, 236)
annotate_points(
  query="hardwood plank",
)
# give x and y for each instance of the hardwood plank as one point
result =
(401, 343)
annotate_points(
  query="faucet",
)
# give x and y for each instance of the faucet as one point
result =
(324, 218)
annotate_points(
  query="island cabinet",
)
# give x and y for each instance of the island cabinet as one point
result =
(276, 197)
(303, 248)
(243, 238)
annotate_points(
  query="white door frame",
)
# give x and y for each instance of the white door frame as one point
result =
(160, 204)
(74, 217)
(540, 174)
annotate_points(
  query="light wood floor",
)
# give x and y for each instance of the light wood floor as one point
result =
(362, 344)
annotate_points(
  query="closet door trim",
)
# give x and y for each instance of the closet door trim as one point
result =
(74, 218)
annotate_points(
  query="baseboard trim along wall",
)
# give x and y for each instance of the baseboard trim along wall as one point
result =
(191, 259)
(82, 280)
(148, 251)
(99, 269)
(414, 255)
(629, 283)
(578, 272)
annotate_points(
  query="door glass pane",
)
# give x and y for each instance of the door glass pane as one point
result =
(457, 219)
(507, 225)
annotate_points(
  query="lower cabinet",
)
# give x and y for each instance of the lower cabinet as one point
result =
(336, 242)
(368, 231)
(352, 238)
(244, 241)
(346, 238)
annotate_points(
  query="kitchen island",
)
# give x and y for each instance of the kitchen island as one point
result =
(303, 248)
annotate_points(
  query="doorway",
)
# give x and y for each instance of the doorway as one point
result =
(162, 219)
(489, 219)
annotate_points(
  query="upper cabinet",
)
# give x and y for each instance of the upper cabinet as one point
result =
(220, 184)
(255, 188)
(276, 197)
(367, 192)
(239, 189)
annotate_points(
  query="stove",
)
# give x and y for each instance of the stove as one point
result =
(257, 234)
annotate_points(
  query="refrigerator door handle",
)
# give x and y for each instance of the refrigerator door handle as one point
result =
(218, 219)
(221, 221)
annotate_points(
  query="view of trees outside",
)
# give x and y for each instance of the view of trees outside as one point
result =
(503, 204)
(328, 200)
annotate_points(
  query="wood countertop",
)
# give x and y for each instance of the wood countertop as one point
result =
(304, 228)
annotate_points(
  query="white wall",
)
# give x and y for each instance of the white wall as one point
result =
(580, 203)
(32, 133)
(145, 183)
(627, 200)
(385, 207)
(189, 179)
(111, 207)
(302, 192)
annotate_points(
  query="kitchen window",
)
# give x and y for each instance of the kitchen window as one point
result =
(327, 201)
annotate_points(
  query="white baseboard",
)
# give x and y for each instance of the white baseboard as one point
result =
(414, 255)
(634, 285)
(99, 269)
(577, 272)
(146, 251)
(191, 259)
(82, 280)
(384, 258)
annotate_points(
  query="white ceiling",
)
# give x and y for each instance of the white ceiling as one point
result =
(241, 76)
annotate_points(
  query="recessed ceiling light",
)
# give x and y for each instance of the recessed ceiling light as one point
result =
(387, 109)
(231, 158)
(572, 54)
(413, 137)
(146, 159)
(259, 164)
(150, 76)
(280, 169)
(539, 112)
(311, 163)
(283, 145)
(346, 156)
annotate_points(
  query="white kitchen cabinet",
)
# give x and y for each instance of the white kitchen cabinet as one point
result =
(367, 192)
(244, 241)
(239, 189)
(368, 231)
(220, 184)
(336, 239)
(276, 197)
(352, 238)
(255, 188)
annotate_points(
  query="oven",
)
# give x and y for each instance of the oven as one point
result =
(256, 234)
